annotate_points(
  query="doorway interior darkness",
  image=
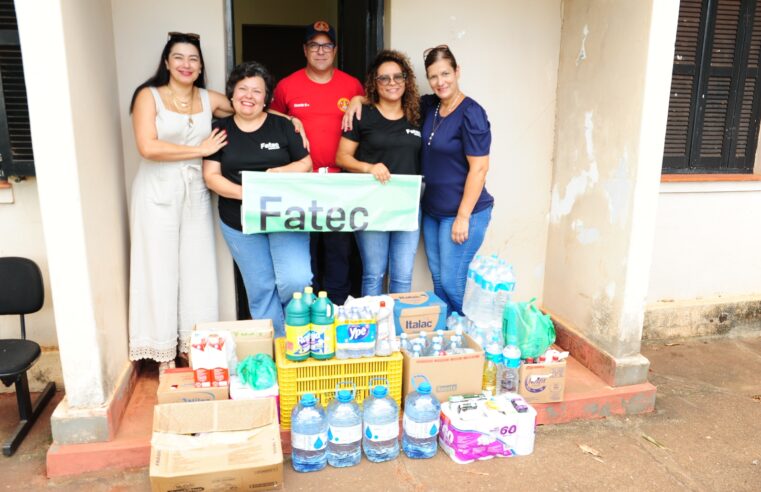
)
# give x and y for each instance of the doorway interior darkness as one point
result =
(360, 37)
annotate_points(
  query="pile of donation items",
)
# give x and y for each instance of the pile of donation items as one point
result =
(343, 378)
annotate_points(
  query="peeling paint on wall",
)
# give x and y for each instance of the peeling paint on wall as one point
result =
(583, 50)
(455, 33)
(578, 185)
(618, 190)
(584, 235)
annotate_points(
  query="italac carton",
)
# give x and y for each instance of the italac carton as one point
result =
(216, 445)
(178, 386)
(253, 336)
(449, 375)
(416, 311)
(543, 382)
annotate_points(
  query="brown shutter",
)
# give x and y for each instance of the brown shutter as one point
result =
(15, 133)
(714, 105)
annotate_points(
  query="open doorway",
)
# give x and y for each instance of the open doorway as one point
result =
(272, 33)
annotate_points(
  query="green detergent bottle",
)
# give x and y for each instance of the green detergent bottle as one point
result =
(309, 296)
(297, 329)
(323, 345)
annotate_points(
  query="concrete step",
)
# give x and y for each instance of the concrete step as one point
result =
(586, 397)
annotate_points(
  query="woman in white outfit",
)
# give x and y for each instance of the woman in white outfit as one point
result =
(173, 277)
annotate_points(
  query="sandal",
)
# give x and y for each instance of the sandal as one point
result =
(163, 366)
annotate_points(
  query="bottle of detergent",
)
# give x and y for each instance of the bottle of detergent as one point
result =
(323, 343)
(298, 339)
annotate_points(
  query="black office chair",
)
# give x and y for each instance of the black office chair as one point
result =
(21, 292)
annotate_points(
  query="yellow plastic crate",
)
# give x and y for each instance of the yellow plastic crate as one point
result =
(321, 377)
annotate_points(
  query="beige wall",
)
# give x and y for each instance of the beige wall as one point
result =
(614, 78)
(707, 241)
(20, 218)
(508, 51)
(140, 32)
(21, 221)
(280, 12)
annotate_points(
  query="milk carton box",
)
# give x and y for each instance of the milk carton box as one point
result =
(209, 358)
(480, 428)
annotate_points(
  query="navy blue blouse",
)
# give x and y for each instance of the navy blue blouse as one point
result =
(466, 131)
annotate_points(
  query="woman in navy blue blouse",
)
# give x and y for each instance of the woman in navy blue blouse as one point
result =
(454, 161)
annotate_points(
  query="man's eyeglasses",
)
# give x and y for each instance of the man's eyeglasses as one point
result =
(399, 78)
(191, 35)
(312, 46)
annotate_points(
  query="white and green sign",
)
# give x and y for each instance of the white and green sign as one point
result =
(291, 202)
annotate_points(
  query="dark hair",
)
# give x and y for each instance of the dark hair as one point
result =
(440, 52)
(161, 77)
(246, 70)
(410, 99)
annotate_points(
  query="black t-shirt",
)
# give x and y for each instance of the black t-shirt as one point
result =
(274, 144)
(396, 143)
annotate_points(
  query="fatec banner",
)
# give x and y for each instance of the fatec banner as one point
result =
(296, 202)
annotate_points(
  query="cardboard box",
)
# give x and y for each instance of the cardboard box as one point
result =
(448, 374)
(238, 447)
(178, 386)
(252, 336)
(542, 383)
(415, 311)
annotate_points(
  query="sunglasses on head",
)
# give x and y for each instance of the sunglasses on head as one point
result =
(439, 47)
(191, 35)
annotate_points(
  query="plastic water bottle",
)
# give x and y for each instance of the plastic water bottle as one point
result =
(298, 336)
(380, 436)
(417, 351)
(509, 377)
(323, 342)
(344, 430)
(385, 324)
(422, 412)
(342, 350)
(435, 350)
(493, 355)
(309, 435)
(404, 342)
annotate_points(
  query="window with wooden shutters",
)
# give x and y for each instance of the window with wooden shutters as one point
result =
(713, 117)
(16, 158)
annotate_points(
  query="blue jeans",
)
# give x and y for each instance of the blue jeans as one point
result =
(447, 260)
(380, 251)
(273, 267)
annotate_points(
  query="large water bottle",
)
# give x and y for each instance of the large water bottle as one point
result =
(344, 430)
(323, 343)
(509, 377)
(309, 435)
(380, 436)
(298, 336)
(421, 421)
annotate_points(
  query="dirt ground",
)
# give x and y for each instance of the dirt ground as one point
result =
(705, 435)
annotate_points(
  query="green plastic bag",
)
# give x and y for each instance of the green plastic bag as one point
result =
(524, 325)
(258, 371)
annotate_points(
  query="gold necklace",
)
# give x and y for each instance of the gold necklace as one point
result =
(183, 107)
(436, 115)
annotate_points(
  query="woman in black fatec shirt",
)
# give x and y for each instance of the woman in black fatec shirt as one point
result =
(273, 265)
(386, 142)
